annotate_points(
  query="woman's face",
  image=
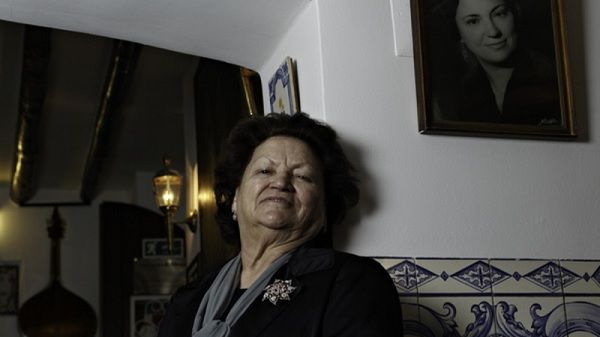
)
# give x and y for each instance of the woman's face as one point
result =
(282, 189)
(487, 28)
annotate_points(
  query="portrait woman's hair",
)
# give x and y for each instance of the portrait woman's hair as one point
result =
(443, 24)
(340, 185)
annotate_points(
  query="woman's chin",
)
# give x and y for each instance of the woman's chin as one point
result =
(277, 218)
(498, 59)
(276, 225)
(276, 222)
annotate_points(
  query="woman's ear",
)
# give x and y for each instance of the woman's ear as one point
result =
(234, 203)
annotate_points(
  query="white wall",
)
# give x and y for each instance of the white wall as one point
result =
(446, 195)
(24, 238)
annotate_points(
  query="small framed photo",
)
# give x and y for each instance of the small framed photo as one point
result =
(9, 287)
(159, 248)
(283, 89)
(146, 313)
(493, 67)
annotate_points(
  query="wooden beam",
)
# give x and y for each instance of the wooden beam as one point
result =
(34, 78)
(120, 71)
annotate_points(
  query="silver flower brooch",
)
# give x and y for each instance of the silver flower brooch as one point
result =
(279, 290)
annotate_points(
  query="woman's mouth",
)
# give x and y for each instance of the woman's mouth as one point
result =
(497, 45)
(278, 200)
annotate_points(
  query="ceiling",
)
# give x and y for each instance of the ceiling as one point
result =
(149, 120)
(242, 32)
(148, 124)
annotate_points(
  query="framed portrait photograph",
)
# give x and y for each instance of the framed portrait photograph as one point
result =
(492, 67)
(9, 287)
(283, 89)
(146, 313)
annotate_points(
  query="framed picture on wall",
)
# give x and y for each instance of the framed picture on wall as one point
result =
(283, 89)
(159, 248)
(9, 287)
(494, 67)
(146, 313)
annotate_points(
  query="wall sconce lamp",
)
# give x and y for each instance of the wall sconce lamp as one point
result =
(167, 190)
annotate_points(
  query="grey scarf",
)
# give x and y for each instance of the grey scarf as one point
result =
(207, 322)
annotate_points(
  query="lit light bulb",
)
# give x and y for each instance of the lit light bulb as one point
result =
(168, 197)
(205, 196)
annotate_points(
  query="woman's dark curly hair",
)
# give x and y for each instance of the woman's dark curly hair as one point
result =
(445, 12)
(341, 191)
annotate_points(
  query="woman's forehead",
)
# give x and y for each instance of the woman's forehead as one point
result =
(277, 148)
(282, 144)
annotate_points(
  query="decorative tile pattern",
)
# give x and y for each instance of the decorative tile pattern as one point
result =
(586, 284)
(583, 316)
(568, 277)
(480, 275)
(455, 316)
(407, 275)
(517, 284)
(410, 311)
(448, 280)
(529, 316)
(497, 297)
(596, 276)
(549, 277)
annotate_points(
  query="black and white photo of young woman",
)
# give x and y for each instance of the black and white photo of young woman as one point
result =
(493, 62)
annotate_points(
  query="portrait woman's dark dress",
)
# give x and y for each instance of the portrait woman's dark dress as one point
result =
(531, 95)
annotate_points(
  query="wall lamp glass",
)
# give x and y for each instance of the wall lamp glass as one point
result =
(167, 191)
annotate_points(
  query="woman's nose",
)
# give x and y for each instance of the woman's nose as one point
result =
(282, 181)
(491, 29)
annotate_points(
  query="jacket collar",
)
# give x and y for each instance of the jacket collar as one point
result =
(309, 260)
(305, 260)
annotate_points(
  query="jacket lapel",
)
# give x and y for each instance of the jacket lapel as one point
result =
(261, 313)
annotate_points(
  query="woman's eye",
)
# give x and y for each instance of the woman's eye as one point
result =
(472, 21)
(264, 171)
(501, 14)
(502, 10)
(304, 177)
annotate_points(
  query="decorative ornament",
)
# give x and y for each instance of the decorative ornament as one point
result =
(278, 290)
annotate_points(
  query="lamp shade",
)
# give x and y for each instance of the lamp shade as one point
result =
(167, 188)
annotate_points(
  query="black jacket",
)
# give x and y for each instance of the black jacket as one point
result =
(337, 294)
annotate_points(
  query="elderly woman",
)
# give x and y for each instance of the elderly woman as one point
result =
(282, 183)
